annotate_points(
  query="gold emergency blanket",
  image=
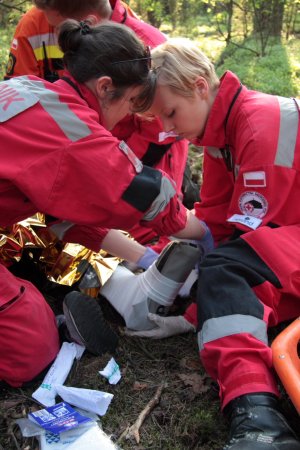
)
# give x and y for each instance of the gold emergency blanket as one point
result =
(62, 263)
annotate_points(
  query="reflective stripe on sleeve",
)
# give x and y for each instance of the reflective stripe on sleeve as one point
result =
(220, 327)
(60, 229)
(70, 124)
(149, 191)
(289, 122)
(167, 192)
(48, 38)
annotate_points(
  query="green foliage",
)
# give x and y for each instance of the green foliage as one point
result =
(10, 13)
(5, 39)
(276, 73)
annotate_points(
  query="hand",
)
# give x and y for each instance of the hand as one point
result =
(164, 327)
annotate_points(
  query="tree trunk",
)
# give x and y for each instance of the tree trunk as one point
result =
(268, 16)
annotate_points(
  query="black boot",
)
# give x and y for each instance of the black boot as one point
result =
(256, 423)
(86, 324)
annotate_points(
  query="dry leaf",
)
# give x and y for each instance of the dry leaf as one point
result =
(190, 363)
(195, 380)
(137, 386)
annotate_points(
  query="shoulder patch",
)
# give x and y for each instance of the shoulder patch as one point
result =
(11, 64)
(253, 203)
(14, 99)
(255, 179)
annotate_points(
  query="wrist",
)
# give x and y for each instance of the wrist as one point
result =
(147, 259)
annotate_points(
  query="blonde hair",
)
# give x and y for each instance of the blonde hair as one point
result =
(177, 64)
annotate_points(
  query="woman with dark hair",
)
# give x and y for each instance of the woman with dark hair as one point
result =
(35, 51)
(59, 157)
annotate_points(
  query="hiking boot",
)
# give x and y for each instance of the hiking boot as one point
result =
(86, 324)
(256, 423)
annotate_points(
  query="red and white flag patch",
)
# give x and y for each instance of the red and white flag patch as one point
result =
(255, 179)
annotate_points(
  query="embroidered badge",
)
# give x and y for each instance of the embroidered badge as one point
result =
(253, 204)
(255, 179)
(11, 64)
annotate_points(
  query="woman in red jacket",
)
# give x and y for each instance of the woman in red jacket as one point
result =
(58, 157)
(250, 201)
(35, 51)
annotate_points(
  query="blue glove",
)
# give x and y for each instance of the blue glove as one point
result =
(206, 244)
(147, 259)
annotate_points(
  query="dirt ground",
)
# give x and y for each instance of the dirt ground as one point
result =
(187, 415)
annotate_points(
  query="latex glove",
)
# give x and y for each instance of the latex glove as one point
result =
(147, 259)
(165, 327)
(206, 244)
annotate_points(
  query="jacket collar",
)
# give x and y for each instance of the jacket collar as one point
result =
(119, 13)
(215, 133)
(85, 93)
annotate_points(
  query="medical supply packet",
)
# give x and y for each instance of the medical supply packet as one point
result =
(58, 418)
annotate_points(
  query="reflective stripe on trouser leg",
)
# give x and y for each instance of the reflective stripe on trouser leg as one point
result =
(233, 322)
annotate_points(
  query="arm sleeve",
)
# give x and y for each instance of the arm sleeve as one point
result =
(21, 60)
(89, 237)
(142, 136)
(191, 314)
(83, 185)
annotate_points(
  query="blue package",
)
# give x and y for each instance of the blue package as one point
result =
(58, 418)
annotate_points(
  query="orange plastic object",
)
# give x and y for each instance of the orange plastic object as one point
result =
(286, 360)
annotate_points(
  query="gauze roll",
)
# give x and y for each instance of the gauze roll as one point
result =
(154, 290)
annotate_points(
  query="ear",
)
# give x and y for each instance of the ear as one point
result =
(103, 86)
(92, 19)
(202, 87)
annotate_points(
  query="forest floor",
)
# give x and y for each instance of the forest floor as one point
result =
(187, 415)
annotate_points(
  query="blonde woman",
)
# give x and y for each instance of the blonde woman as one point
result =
(250, 201)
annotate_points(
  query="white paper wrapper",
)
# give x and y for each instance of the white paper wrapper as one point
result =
(111, 372)
(87, 399)
(58, 372)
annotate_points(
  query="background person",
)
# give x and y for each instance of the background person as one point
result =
(249, 200)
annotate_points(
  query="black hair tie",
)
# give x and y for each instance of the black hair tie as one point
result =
(84, 28)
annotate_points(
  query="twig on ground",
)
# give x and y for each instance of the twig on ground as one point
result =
(133, 430)
(15, 440)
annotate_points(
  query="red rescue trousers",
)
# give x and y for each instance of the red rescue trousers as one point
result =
(29, 339)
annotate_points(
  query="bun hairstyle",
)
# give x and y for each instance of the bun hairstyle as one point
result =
(107, 49)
